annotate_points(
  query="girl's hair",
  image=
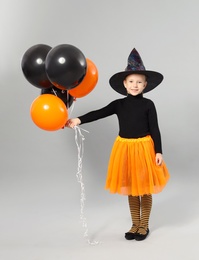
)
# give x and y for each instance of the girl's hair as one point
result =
(146, 77)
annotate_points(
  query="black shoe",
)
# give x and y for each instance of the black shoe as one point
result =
(130, 236)
(140, 237)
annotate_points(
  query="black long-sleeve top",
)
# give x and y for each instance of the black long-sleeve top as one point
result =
(136, 115)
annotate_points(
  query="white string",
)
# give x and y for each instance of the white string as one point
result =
(70, 109)
(54, 92)
(79, 139)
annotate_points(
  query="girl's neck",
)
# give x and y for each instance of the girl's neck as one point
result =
(129, 96)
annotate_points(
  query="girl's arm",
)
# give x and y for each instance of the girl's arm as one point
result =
(93, 115)
(155, 133)
(154, 128)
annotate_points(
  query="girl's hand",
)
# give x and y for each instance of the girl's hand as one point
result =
(158, 159)
(73, 122)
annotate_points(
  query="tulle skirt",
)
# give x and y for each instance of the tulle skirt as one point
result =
(132, 169)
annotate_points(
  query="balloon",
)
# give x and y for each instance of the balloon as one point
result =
(49, 112)
(62, 94)
(33, 66)
(65, 66)
(88, 83)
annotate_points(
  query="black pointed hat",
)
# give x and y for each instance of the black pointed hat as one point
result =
(135, 66)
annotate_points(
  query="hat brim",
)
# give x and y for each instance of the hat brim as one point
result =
(153, 80)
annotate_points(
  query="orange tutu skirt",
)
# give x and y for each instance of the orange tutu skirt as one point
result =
(132, 169)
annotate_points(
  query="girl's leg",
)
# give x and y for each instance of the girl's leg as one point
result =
(134, 206)
(146, 205)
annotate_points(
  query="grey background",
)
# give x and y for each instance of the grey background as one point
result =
(39, 192)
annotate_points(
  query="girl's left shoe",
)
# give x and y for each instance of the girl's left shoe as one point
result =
(140, 237)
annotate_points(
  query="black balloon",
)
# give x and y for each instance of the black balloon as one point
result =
(62, 94)
(65, 66)
(33, 65)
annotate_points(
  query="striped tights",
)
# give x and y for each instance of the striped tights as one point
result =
(140, 209)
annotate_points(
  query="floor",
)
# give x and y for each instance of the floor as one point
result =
(42, 221)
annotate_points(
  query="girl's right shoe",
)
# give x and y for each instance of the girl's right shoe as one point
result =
(130, 236)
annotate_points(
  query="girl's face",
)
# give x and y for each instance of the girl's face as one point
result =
(135, 84)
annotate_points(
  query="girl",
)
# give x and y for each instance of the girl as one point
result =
(136, 167)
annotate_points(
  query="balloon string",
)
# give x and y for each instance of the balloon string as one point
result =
(79, 139)
(67, 98)
(54, 91)
(70, 110)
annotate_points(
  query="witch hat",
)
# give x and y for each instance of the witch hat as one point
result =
(135, 66)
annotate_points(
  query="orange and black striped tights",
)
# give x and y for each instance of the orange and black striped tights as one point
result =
(140, 209)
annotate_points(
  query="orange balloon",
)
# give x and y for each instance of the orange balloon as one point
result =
(88, 83)
(49, 112)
